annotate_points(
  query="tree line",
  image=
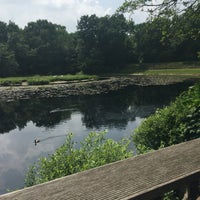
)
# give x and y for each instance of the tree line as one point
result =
(100, 44)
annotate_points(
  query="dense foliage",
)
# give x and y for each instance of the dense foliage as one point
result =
(178, 122)
(101, 44)
(104, 43)
(95, 150)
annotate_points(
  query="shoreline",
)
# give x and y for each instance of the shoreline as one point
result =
(114, 83)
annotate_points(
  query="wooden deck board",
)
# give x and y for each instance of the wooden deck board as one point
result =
(133, 178)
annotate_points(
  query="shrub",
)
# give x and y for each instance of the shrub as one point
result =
(95, 150)
(178, 122)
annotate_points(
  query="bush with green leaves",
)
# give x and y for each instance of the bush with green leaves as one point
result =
(95, 150)
(178, 122)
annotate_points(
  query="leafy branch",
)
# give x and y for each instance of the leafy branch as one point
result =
(154, 8)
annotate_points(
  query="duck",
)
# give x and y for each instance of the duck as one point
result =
(36, 141)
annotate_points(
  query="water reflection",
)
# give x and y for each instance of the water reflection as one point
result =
(113, 110)
(50, 120)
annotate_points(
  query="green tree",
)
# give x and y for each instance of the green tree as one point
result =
(104, 44)
(182, 32)
(49, 44)
(16, 43)
(3, 32)
(149, 45)
(90, 57)
(8, 64)
(169, 39)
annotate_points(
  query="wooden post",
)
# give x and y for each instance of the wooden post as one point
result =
(183, 192)
(193, 190)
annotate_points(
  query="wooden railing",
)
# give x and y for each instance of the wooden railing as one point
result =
(143, 177)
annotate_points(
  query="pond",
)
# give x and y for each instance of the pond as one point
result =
(50, 120)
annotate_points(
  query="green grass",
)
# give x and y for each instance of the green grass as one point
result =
(173, 65)
(185, 71)
(176, 68)
(41, 80)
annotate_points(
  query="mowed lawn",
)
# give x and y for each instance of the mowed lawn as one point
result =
(185, 71)
(171, 68)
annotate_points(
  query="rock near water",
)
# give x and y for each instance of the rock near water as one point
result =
(84, 88)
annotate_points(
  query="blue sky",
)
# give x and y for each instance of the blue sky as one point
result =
(63, 12)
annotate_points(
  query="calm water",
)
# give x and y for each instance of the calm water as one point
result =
(50, 120)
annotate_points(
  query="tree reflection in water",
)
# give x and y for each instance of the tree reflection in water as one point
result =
(111, 110)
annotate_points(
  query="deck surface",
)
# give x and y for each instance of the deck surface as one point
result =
(127, 179)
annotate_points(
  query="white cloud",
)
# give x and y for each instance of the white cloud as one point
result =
(64, 12)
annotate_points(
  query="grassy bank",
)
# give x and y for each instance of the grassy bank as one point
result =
(191, 69)
(175, 68)
(186, 71)
(41, 80)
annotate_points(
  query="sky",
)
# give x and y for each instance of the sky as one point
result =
(62, 12)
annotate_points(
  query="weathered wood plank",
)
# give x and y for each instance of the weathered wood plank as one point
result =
(140, 177)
